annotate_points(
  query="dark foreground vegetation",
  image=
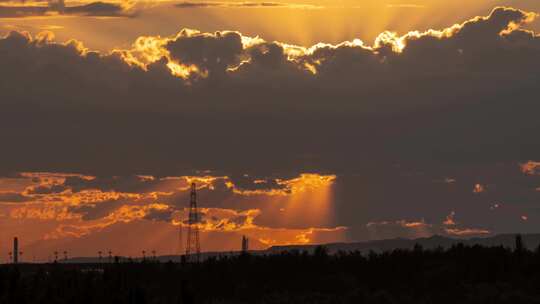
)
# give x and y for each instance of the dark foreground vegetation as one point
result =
(460, 274)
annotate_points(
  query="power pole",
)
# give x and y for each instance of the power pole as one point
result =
(193, 248)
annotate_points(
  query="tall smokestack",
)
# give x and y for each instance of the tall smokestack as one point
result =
(15, 250)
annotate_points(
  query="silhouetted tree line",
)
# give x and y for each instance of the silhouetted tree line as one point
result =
(460, 274)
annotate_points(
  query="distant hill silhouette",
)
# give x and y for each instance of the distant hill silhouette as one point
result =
(531, 241)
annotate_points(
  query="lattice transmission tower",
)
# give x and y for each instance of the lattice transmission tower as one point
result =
(193, 248)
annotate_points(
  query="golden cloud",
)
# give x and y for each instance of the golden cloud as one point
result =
(303, 183)
(466, 231)
(479, 188)
(124, 214)
(230, 52)
(449, 221)
(530, 167)
(43, 211)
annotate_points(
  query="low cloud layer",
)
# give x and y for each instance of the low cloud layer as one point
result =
(84, 209)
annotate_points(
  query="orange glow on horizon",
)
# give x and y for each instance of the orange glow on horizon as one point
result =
(306, 198)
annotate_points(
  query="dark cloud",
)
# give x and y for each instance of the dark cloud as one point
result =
(166, 215)
(373, 101)
(21, 11)
(129, 184)
(262, 4)
(246, 182)
(281, 102)
(97, 211)
(187, 5)
(47, 189)
(13, 197)
(197, 4)
(207, 51)
(97, 9)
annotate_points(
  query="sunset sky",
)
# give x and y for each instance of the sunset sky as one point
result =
(300, 122)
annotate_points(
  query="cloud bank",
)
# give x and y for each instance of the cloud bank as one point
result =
(209, 86)
(59, 8)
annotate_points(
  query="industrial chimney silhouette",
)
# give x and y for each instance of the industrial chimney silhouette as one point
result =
(245, 244)
(15, 250)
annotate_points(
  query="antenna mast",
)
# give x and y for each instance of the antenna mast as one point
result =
(193, 248)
